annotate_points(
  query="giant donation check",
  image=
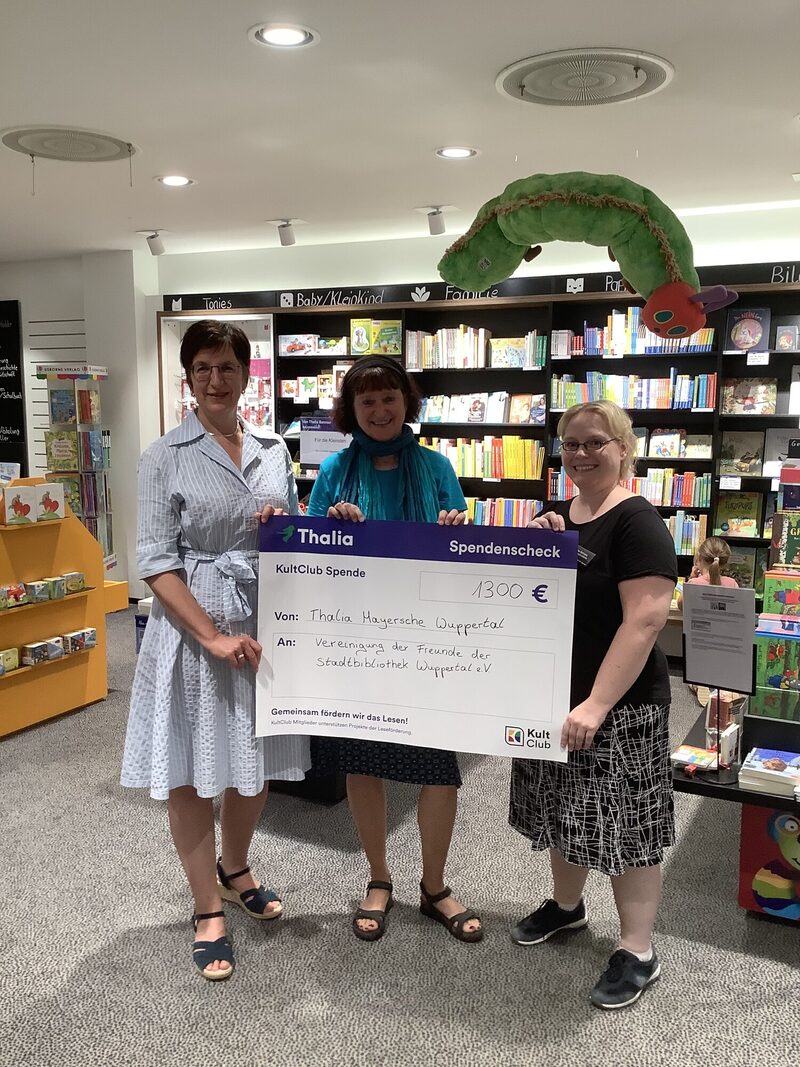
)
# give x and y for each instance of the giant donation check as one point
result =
(454, 637)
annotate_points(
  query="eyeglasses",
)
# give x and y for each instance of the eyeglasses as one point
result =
(594, 444)
(202, 372)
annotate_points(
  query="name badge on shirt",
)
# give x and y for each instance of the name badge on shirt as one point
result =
(585, 557)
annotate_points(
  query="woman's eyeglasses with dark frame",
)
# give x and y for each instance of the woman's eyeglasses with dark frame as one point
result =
(594, 444)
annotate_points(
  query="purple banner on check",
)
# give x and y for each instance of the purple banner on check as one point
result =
(419, 540)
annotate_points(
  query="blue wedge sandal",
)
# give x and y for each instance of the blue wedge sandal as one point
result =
(204, 953)
(253, 901)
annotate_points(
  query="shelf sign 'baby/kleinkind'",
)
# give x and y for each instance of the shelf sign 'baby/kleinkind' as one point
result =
(642, 234)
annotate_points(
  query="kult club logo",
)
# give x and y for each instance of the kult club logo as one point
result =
(515, 735)
(287, 533)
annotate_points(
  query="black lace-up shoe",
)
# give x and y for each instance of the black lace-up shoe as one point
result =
(624, 980)
(546, 921)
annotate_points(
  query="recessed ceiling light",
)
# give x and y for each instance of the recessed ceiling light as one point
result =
(282, 35)
(175, 181)
(796, 176)
(456, 152)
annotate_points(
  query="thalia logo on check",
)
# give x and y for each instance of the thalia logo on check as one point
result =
(311, 537)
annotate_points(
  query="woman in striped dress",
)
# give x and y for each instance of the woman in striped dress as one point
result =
(203, 488)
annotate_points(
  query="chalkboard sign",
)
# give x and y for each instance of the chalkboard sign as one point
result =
(12, 393)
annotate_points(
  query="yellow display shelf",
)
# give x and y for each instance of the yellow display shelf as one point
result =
(28, 553)
(116, 596)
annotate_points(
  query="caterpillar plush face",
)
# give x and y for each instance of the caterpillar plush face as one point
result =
(671, 312)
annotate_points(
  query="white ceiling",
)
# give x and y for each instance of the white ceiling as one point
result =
(342, 135)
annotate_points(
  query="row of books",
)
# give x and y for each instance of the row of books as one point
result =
(672, 444)
(323, 386)
(625, 334)
(72, 450)
(100, 529)
(496, 407)
(753, 453)
(502, 511)
(664, 487)
(70, 405)
(469, 348)
(491, 457)
(631, 391)
(687, 532)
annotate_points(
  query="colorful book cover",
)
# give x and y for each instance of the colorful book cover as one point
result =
(506, 351)
(339, 371)
(89, 406)
(63, 410)
(519, 408)
(697, 446)
(61, 448)
(476, 408)
(325, 385)
(785, 543)
(742, 565)
(49, 502)
(72, 490)
(538, 409)
(20, 505)
(387, 337)
(741, 452)
(747, 330)
(288, 388)
(306, 388)
(334, 346)
(777, 767)
(297, 344)
(787, 338)
(749, 396)
(665, 444)
(738, 515)
(360, 336)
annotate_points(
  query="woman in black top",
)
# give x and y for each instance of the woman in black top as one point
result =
(609, 808)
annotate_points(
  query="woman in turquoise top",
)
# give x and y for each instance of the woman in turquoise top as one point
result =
(386, 474)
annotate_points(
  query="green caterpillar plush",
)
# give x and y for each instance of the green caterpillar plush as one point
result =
(642, 234)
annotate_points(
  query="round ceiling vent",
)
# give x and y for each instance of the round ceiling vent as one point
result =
(69, 145)
(581, 77)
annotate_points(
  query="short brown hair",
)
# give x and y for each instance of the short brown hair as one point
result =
(373, 372)
(214, 334)
(617, 422)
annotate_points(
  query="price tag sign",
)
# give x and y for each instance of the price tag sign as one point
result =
(730, 482)
(758, 359)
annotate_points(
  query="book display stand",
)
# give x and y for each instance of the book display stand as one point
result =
(31, 694)
(78, 448)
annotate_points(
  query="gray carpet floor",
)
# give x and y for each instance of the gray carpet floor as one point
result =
(95, 939)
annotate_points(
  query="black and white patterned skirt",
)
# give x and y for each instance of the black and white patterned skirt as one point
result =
(610, 806)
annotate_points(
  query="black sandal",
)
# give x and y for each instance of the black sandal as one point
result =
(204, 953)
(253, 901)
(375, 915)
(455, 923)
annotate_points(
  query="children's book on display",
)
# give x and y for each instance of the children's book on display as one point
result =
(741, 453)
(747, 330)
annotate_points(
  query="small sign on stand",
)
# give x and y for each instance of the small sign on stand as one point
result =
(718, 646)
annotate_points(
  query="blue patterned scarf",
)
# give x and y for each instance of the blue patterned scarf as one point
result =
(419, 497)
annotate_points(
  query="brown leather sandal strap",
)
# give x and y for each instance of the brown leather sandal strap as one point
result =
(446, 892)
(386, 886)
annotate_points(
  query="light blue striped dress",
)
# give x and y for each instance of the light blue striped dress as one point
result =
(192, 715)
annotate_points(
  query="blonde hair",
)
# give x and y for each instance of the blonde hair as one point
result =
(618, 424)
(714, 555)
